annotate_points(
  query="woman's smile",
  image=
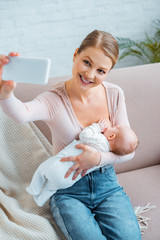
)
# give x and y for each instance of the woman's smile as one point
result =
(84, 80)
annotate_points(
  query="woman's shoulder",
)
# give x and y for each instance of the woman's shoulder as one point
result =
(58, 86)
(53, 94)
(58, 89)
(55, 90)
(112, 88)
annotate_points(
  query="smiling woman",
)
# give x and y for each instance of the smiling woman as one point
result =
(95, 207)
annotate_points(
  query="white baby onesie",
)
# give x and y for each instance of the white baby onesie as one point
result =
(49, 176)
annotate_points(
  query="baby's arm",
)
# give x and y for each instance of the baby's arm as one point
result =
(92, 133)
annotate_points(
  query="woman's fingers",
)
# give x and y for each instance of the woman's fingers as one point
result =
(6, 87)
(74, 158)
(3, 60)
(77, 173)
(86, 160)
(75, 168)
(13, 54)
(72, 169)
(68, 159)
(84, 173)
(81, 146)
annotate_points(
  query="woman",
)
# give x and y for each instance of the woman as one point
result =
(95, 207)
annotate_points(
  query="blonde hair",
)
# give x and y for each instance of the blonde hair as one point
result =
(103, 40)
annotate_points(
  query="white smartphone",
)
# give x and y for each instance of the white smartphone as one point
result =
(27, 70)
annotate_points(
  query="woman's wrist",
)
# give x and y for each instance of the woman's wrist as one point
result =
(3, 98)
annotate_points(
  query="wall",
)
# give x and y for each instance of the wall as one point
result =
(55, 28)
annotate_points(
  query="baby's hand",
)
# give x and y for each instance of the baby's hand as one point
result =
(103, 124)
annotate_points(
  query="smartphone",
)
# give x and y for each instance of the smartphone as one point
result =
(27, 70)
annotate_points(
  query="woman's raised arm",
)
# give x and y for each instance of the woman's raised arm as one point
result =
(24, 112)
(13, 107)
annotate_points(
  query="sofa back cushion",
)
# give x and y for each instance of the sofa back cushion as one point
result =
(141, 85)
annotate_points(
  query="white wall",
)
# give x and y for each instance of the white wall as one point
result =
(55, 28)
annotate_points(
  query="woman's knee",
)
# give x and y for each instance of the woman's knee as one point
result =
(117, 219)
(131, 231)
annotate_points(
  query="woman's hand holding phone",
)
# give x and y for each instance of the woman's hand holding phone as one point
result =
(6, 87)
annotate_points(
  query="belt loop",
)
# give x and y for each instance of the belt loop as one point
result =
(101, 170)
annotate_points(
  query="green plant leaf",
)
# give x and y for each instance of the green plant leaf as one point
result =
(125, 43)
(147, 50)
(131, 52)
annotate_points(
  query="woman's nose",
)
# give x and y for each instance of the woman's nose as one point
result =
(90, 74)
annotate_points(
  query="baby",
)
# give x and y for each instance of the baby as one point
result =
(49, 176)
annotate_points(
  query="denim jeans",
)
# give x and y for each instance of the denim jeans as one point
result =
(95, 208)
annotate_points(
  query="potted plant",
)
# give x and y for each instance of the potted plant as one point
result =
(147, 50)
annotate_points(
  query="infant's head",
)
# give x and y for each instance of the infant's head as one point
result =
(122, 139)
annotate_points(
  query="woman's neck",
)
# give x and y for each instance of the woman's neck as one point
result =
(81, 95)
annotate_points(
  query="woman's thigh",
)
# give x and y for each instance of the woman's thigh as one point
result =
(95, 208)
(75, 219)
(117, 219)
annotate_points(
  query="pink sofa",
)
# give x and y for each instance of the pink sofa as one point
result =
(141, 176)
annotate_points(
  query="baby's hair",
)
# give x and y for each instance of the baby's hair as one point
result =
(126, 147)
(104, 41)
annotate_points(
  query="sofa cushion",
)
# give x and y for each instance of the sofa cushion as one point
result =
(142, 186)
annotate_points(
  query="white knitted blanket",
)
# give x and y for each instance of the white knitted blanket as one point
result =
(22, 149)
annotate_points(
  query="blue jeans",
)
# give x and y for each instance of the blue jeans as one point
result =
(95, 208)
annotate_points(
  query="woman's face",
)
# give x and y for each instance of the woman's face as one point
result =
(90, 67)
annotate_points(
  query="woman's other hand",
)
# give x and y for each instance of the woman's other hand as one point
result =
(6, 87)
(87, 159)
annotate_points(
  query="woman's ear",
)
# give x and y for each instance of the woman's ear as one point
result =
(75, 53)
(111, 137)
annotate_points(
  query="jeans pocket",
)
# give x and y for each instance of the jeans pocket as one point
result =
(110, 173)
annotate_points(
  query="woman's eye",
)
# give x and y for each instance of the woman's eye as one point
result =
(101, 71)
(86, 62)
